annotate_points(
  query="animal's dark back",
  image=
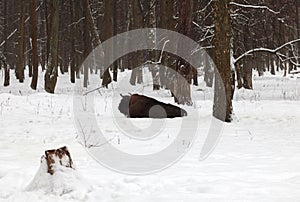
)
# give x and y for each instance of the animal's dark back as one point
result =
(139, 106)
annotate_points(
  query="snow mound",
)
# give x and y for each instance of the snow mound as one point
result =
(64, 182)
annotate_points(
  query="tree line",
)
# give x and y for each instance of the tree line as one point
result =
(257, 35)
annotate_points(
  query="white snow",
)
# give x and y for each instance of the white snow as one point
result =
(256, 159)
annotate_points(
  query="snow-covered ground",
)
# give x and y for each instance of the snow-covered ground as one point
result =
(256, 159)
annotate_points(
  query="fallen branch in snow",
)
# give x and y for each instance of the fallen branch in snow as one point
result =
(86, 140)
(295, 72)
(96, 89)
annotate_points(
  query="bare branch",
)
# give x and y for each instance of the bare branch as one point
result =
(161, 53)
(205, 7)
(254, 7)
(274, 51)
(75, 23)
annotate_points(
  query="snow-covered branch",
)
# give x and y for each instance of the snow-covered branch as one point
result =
(205, 7)
(254, 7)
(161, 53)
(274, 51)
(75, 23)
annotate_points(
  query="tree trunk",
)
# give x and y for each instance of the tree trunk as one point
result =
(208, 71)
(106, 78)
(52, 69)
(272, 65)
(247, 74)
(222, 108)
(21, 59)
(182, 90)
(86, 39)
(6, 69)
(136, 21)
(34, 53)
(168, 77)
(116, 13)
(151, 21)
(238, 76)
(29, 64)
(48, 30)
(73, 41)
(2, 57)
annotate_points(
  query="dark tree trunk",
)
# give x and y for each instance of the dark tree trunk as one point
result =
(149, 21)
(42, 34)
(247, 74)
(222, 108)
(6, 75)
(136, 57)
(21, 57)
(6, 69)
(115, 31)
(48, 15)
(86, 39)
(73, 41)
(208, 71)
(106, 78)
(34, 53)
(182, 90)
(52, 69)
(238, 76)
(272, 65)
(168, 78)
(2, 57)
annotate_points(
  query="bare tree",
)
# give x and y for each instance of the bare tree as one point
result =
(87, 42)
(106, 78)
(34, 51)
(73, 41)
(52, 69)
(222, 108)
(182, 90)
(21, 56)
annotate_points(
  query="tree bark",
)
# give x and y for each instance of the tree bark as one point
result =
(168, 77)
(222, 108)
(106, 78)
(208, 71)
(182, 90)
(34, 53)
(21, 57)
(136, 22)
(52, 69)
(73, 41)
(6, 69)
(2, 57)
(116, 13)
(86, 39)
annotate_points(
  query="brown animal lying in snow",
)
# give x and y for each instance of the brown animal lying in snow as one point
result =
(140, 106)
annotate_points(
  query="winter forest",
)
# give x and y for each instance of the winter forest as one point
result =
(244, 72)
(57, 36)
